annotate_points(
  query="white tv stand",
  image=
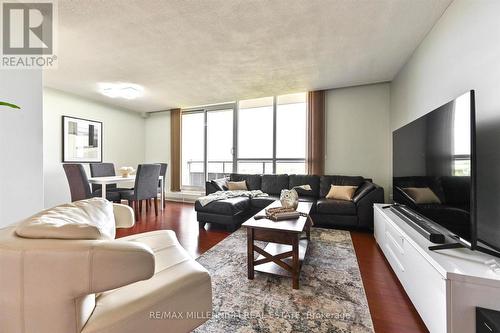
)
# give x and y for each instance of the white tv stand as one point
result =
(444, 286)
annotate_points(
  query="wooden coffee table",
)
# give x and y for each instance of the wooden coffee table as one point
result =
(286, 246)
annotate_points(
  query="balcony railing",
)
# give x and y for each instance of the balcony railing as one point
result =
(220, 169)
(216, 169)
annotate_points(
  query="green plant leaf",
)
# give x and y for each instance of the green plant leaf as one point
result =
(10, 105)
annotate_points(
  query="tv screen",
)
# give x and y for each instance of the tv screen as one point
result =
(433, 166)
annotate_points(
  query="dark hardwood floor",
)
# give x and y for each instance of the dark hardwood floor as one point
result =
(181, 218)
(390, 307)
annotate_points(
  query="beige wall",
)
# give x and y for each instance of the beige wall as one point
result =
(21, 166)
(358, 133)
(123, 138)
(460, 53)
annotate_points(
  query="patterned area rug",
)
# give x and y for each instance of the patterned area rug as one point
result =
(331, 297)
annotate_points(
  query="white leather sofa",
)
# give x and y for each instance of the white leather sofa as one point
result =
(141, 283)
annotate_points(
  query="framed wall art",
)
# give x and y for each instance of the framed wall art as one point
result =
(82, 140)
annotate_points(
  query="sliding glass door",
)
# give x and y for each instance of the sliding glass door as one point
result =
(219, 143)
(207, 144)
(193, 149)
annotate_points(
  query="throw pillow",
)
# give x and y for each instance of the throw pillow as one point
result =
(341, 192)
(237, 186)
(221, 184)
(422, 195)
(86, 219)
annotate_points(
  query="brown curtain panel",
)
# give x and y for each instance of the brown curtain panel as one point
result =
(175, 150)
(316, 132)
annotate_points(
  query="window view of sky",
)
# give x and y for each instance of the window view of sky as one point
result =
(291, 131)
(461, 136)
(219, 143)
(255, 132)
(461, 126)
(255, 148)
(193, 143)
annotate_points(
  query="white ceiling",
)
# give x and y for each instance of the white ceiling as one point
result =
(194, 52)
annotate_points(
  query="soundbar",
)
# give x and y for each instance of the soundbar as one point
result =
(423, 225)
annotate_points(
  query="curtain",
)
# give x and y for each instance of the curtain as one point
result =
(316, 132)
(175, 150)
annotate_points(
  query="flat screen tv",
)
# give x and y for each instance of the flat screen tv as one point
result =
(434, 169)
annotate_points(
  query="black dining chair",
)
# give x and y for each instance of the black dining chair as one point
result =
(146, 188)
(104, 170)
(163, 172)
(79, 184)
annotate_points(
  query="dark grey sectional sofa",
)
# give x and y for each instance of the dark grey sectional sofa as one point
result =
(325, 212)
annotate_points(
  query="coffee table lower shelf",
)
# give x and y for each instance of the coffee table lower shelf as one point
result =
(275, 249)
(286, 240)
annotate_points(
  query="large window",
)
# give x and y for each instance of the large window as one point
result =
(219, 143)
(258, 136)
(255, 135)
(193, 143)
(272, 135)
(207, 144)
(291, 131)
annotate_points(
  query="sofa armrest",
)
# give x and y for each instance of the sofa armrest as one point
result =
(364, 207)
(124, 216)
(363, 190)
(116, 263)
(401, 197)
(210, 188)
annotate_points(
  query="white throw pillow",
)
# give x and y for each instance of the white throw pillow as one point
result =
(85, 219)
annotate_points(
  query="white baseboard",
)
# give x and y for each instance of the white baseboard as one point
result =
(188, 197)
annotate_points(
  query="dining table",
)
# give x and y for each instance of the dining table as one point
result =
(103, 181)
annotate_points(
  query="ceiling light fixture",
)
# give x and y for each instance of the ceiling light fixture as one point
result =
(121, 90)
